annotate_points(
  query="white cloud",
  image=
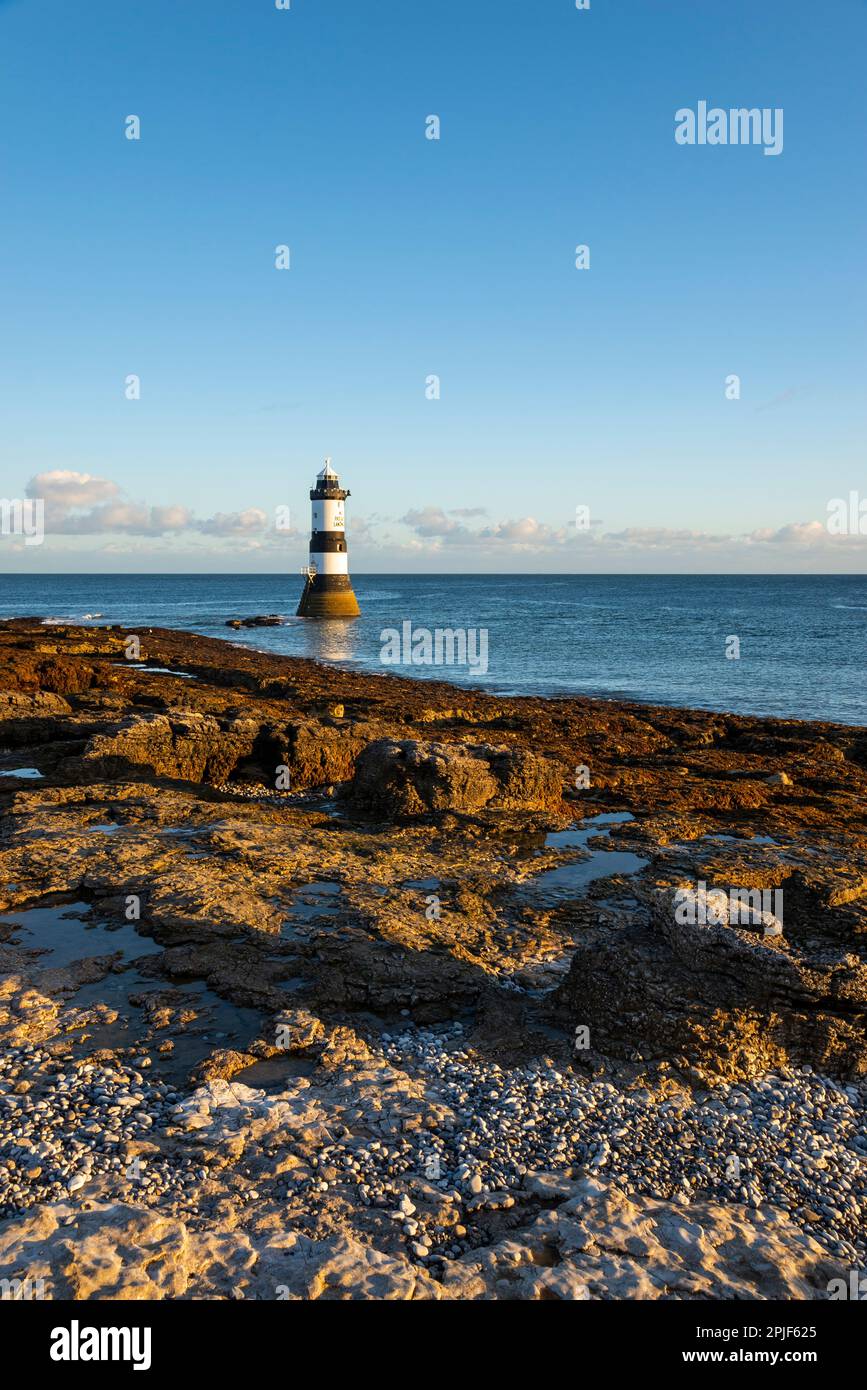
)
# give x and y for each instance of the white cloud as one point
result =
(131, 518)
(525, 532)
(64, 488)
(663, 536)
(436, 527)
(797, 533)
(79, 504)
(433, 521)
(249, 522)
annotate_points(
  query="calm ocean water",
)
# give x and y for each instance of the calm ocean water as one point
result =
(803, 640)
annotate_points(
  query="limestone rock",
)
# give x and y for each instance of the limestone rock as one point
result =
(121, 1251)
(409, 777)
(223, 1064)
(343, 1045)
(602, 1244)
(720, 993)
(181, 744)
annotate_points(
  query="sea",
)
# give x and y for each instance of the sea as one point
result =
(785, 646)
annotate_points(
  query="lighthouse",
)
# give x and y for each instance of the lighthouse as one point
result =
(327, 589)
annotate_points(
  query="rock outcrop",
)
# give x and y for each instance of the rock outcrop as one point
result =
(261, 620)
(407, 777)
(729, 994)
(180, 744)
(596, 1244)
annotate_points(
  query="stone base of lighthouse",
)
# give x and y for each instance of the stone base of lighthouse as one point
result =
(328, 596)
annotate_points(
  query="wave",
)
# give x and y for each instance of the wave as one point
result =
(71, 618)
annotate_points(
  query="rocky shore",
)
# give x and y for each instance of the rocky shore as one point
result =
(315, 984)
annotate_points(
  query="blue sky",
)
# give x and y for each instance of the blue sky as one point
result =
(411, 257)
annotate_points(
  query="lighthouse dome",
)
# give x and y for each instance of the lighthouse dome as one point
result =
(327, 471)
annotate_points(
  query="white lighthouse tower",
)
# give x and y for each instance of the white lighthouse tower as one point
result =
(328, 590)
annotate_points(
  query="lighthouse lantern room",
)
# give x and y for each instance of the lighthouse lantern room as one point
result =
(327, 588)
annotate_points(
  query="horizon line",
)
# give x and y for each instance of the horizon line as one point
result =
(441, 574)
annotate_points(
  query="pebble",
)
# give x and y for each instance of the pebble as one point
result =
(799, 1139)
(65, 1129)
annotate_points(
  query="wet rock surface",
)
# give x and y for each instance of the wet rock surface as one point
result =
(320, 984)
